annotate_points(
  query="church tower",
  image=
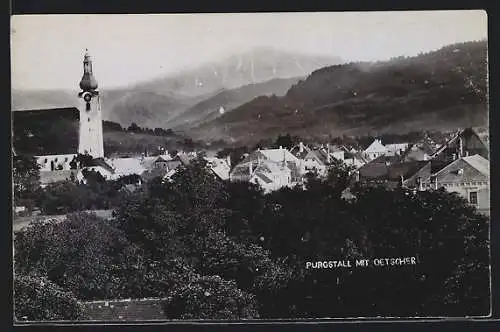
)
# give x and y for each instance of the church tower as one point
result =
(91, 138)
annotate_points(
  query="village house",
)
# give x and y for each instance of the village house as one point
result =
(421, 151)
(374, 150)
(354, 159)
(468, 176)
(220, 167)
(270, 168)
(463, 143)
(33, 136)
(317, 159)
(396, 148)
(390, 172)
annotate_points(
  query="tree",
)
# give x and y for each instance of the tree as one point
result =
(38, 299)
(26, 177)
(94, 260)
(134, 128)
(210, 297)
(284, 141)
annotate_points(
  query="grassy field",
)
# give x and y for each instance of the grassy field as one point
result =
(19, 223)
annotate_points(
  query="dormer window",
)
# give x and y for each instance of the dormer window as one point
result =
(460, 171)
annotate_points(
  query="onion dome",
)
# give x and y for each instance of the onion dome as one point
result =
(88, 82)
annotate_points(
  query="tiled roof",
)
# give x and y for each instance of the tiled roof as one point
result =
(278, 155)
(263, 177)
(392, 171)
(405, 170)
(126, 166)
(125, 310)
(296, 151)
(39, 132)
(376, 146)
(101, 162)
(479, 163)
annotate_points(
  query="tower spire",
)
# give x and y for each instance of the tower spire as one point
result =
(88, 81)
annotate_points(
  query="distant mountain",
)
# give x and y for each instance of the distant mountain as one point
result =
(227, 100)
(155, 102)
(41, 99)
(259, 65)
(443, 89)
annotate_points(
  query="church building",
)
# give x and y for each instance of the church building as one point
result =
(55, 136)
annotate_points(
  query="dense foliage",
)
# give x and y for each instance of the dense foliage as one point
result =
(39, 299)
(25, 180)
(222, 250)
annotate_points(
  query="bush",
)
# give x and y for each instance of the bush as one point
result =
(210, 297)
(36, 298)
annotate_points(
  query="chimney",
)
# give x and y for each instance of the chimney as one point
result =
(228, 160)
(402, 181)
(301, 147)
(328, 152)
(357, 176)
(466, 153)
(250, 168)
(281, 148)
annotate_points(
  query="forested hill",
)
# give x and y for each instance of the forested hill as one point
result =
(443, 89)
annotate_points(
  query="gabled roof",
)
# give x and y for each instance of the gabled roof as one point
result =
(102, 163)
(479, 163)
(392, 171)
(319, 155)
(406, 170)
(278, 155)
(39, 132)
(126, 166)
(296, 151)
(376, 146)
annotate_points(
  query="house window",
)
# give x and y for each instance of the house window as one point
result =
(66, 159)
(55, 160)
(473, 197)
(45, 161)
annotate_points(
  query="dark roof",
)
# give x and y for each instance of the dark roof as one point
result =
(101, 162)
(125, 310)
(437, 165)
(391, 171)
(46, 132)
(263, 177)
(406, 170)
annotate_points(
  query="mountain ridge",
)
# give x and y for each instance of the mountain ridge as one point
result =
(438, 89)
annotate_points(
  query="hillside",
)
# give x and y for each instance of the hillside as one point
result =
(209, 109)
(443, 89)
(152, 103)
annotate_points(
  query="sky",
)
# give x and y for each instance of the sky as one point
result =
(47, 50)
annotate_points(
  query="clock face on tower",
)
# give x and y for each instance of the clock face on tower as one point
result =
(87, 97)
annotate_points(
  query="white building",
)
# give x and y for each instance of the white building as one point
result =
(469, 177)
(375, 150)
